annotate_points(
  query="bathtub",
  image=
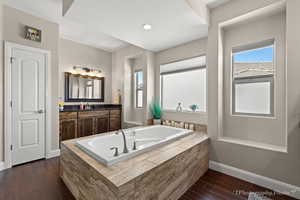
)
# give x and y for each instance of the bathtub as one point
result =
(147, 139)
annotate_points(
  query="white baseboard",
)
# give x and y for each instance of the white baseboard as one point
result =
(275, 185)
(53, 153)
(2, 166)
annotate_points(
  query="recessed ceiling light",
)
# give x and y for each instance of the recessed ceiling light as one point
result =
(147, 27)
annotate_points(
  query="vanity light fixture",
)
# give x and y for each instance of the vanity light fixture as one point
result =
(147, 27)
(86, 71)
(94, 72)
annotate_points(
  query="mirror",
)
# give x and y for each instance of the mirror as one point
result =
(81, 88)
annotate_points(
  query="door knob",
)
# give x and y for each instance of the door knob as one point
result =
(40, 111)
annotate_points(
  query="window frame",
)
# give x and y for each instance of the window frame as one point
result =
(177, 72)
(254, 79)
(137, 89)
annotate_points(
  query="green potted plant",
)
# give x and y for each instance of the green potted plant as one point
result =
(156, 112)
(194, 107)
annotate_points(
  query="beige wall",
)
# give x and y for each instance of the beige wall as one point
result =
(268, 130)
(1, 84)
(14, 22)
(122, 76)
(72, 53)
(185, 51)
(118, 68)
(281, 166)
(127, 89)
(135, 114)
(66, 6)
(150, 87)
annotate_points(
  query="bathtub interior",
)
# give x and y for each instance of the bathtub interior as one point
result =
(146, 137)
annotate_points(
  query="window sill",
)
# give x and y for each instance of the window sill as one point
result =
(186, 112)
(254, 116)
(258, 145)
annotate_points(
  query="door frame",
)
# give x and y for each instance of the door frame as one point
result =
(8, 46)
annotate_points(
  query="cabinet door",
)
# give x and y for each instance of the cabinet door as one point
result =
(101, 125)
(114, 123)
(85, 127)
(68, 129)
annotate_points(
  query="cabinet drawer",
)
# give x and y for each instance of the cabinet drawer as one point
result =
(102, 113)
(115, 113)
(86, 114)
(67, 115)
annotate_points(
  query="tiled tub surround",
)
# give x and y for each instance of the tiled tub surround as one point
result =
(164, 173)
(185, 125)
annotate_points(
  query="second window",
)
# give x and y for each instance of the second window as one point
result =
(253, 79)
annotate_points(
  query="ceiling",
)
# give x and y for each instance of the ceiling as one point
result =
(173, 21)
(113, 24)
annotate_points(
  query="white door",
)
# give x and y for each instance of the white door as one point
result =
(28, 105)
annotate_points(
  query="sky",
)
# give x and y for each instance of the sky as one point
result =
(256, 55)
(139, 78)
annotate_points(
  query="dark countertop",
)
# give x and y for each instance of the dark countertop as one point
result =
(94, 107)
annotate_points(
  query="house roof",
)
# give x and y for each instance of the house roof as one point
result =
(250, 69)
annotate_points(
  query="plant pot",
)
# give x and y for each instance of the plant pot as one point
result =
(156, 121)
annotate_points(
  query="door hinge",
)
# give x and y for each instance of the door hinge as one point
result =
(10, 103)
(11, 147)
(12, 59)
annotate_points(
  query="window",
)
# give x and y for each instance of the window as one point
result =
(253, 79)
(139, 84)
(184, 82)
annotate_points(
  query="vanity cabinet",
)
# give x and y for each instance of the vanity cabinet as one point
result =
(102, 122)
(115, 120)
(115, 124)
(85, 123)
(101, 125)
(85, 127)
(68, 125)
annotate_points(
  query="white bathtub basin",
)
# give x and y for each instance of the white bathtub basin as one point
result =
(148, 138)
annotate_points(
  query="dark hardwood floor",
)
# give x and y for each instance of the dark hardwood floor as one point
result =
(40, 181)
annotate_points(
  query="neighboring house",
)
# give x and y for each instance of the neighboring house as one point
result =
(250, 69)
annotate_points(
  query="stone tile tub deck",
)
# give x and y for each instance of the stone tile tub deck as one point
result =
(163, 173)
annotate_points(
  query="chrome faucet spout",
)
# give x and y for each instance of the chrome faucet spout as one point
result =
(125, 149)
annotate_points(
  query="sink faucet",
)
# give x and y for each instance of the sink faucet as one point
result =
(87, 106)
(125, 149)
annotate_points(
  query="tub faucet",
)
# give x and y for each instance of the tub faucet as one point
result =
(116, 154)
(134, 141)
(134, 145)
(125, 149)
